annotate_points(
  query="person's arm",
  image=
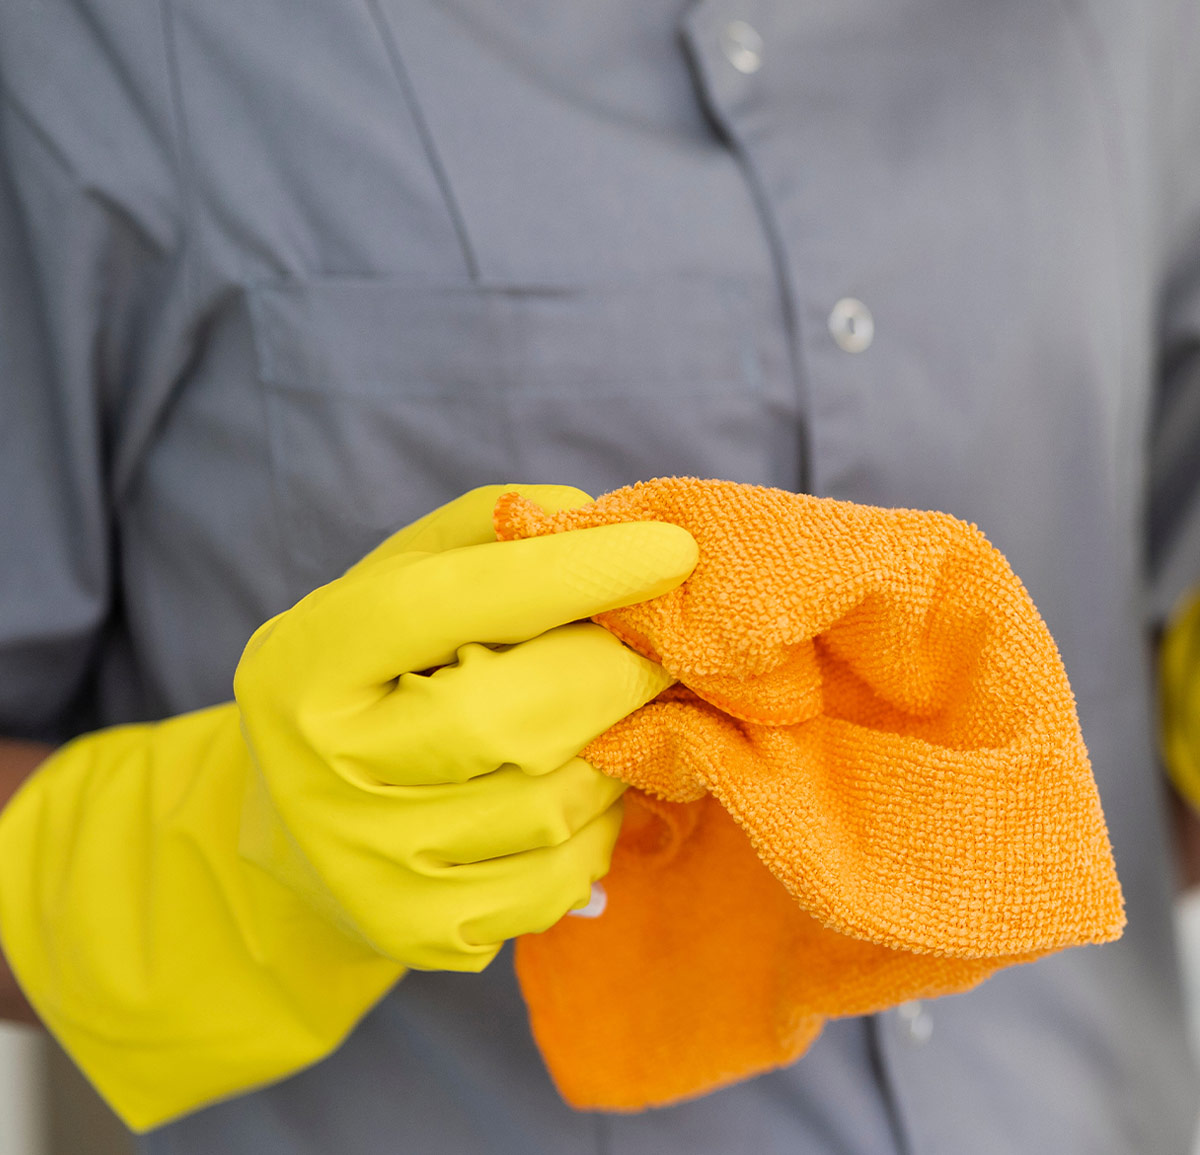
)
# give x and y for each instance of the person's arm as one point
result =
(1185, 823)
(17, 761)
(204, 904)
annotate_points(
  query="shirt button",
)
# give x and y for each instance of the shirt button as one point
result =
(852, 325)
(742, 46)
(918, 1022)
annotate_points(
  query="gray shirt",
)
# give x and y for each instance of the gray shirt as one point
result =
(276, 279)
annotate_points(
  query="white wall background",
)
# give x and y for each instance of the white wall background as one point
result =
(21, 1116)
(1189, 936)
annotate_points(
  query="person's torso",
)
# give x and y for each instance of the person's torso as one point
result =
(437, 245)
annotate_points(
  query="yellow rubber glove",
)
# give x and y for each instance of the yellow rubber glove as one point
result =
(1179, 693)
(202, 905)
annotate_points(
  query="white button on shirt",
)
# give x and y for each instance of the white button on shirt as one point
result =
(742, 45)
(918, 1022)
(852, 326)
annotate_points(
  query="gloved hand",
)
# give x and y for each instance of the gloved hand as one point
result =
(1179, 694)
(199, 906)
(437, 815)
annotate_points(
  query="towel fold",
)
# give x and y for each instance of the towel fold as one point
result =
(868, 786)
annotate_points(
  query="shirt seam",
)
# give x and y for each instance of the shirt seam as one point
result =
(425, 135)
(181, 153)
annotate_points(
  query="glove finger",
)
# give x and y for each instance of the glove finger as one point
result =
(533, 705)
(467, 520)
(528, 893)
(457, 917)
(415, 611)
(436, 915)
(502, 814)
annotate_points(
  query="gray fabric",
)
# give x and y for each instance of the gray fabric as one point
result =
(276, 280)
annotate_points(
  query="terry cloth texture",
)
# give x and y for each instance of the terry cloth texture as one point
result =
(869, 785)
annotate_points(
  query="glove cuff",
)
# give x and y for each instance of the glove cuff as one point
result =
(172, 971)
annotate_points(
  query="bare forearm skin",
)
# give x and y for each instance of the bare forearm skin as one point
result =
(17, 761)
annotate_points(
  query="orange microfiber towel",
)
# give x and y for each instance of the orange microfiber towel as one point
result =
(868, 786)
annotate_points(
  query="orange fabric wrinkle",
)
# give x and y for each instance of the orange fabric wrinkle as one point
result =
(868, 786)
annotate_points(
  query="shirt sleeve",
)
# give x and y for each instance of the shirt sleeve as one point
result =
(1174, 501)
(1173, 508)
(80, 270)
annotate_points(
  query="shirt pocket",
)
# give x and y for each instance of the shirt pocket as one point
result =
(387, 398)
